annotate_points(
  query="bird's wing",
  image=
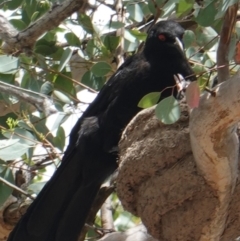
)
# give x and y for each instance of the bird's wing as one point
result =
(106, 96)
(109, 91)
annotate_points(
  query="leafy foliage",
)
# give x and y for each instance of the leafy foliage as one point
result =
(80, 54)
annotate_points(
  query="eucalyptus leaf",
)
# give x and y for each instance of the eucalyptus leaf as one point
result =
(62, 97)
(45, 50)
(5, 190)
(93, 81)
(184, 6)
(59, 140)
(35, 16)
(72, 39)
(139, 35)
(222, 8)
(18, 23)
(36, 187)
(206, 16)
(135, 12)
(149, 100)
(8, 64)
(24, 136)
(67, 54)
(189, 38)
(12, 5)
(113, 25)
(47, 88)
(168, 110)
(205, 36)
(101, 68)
(111, 42)
(12, 149)
(86, 23)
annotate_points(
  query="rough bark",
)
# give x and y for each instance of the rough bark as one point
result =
(24, 40)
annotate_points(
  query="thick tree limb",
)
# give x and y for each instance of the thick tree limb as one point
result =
(225, 38)
(182, 195)
(25, 39)
(215, 146)
(40, 101)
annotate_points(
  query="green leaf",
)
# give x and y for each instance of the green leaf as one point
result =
(91, 48)
(93, 81)
(204, 37)
(43, 7)
(30, 7)
(169, 7)
(72, 39)
(45, 50)
(189, 38)
(62, 97)
(18, 24)
(67, 54)
(130, 46)
(111, 42)
(145, 8)
(153, 5)
(25, 17)
(129, 36)
(206, 16)
(139, 35)
(12, 5)
(8, 64)
(86, 23)
(46, 46)
(5, 190)
(12, 149)
(36, 187)
(42, 62)
(8, 78)
(23, 136)
(59, 140)
(135, 12)
(50, 38)
(101, 68)
(224, 5)
(63, 83)
(47, 88)
(58, 119)
(114, 25)
(34, 16)
(184, 6)
(168, 110)
(149, 100)
(3, 165)
(40, 126)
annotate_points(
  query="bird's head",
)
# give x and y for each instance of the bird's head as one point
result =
(164, 46)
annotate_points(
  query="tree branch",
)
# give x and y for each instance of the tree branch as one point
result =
(215, 147)
(15, 187)
(225, 38)
(24, 40)
(40, 101)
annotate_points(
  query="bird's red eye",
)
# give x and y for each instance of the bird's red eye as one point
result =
(162, 37)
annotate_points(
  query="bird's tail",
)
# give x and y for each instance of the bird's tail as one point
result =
(60, 210)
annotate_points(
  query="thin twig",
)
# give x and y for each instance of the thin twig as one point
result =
(15, 188)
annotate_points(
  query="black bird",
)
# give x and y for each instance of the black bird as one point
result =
(60, 210)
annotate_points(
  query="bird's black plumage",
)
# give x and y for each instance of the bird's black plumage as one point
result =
(60, 210)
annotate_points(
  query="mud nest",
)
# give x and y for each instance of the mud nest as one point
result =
(159, 181)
